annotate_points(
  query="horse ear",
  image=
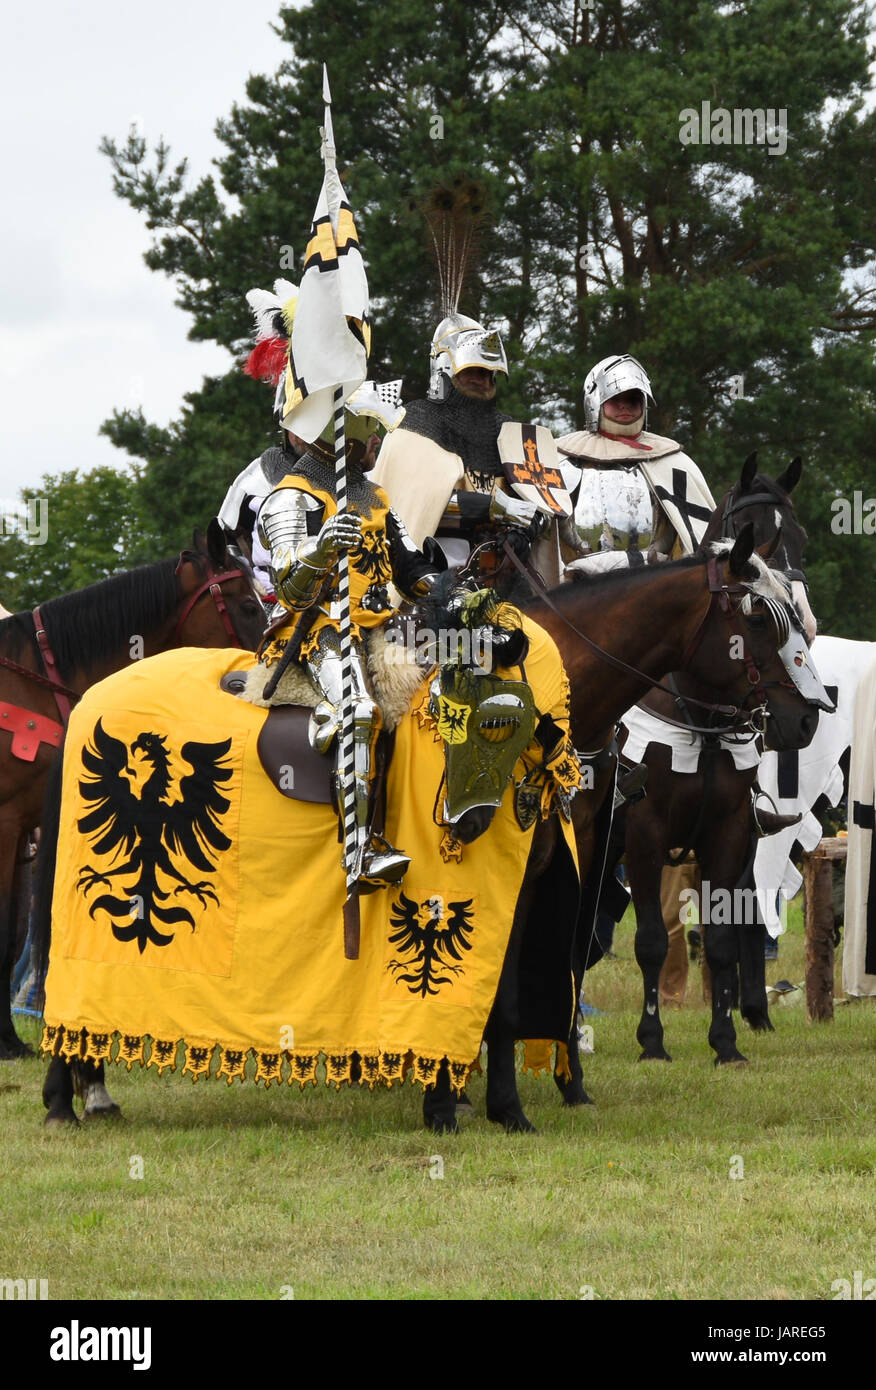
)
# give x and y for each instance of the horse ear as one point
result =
(749, 470)
(199, 541)
(216, 542)
(742, 549)
(769, 548)
(791, 476)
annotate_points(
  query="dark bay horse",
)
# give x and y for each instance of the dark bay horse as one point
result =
(653, 620)
(48, 658)
(710, 810)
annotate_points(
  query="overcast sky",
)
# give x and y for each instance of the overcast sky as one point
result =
(84, 326)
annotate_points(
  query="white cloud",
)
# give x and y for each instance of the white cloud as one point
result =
(85, 326)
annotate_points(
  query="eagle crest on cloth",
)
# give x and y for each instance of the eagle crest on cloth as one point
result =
(151, 830)
(422, 934)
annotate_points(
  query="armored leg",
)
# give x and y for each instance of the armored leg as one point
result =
(380, 863)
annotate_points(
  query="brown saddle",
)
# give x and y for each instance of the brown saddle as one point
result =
(285, 753)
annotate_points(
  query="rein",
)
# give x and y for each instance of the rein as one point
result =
(718, 591)
(210, 585)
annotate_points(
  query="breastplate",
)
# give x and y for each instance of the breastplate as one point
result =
(614, 509)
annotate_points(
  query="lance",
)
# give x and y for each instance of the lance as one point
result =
(353, 840)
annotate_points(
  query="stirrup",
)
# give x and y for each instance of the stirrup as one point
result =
(383, 865)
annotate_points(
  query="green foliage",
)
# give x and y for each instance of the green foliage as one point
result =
(605, 232)
(93, 528)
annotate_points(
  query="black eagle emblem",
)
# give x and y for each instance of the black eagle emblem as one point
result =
(371, 557)
(152, 830)
(423, 931)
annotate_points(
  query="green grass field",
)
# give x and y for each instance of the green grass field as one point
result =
(323, 1194)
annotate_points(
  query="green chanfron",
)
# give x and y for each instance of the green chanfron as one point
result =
(486, 724)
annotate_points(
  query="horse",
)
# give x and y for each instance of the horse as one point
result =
(48, 658)
(709, 810)
(650, 621)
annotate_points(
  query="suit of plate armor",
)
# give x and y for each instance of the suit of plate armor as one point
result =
(301, 529)
(618, 514)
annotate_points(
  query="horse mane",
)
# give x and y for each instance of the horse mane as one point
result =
(96, 621)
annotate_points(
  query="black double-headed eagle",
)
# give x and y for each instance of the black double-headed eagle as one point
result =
(421, 930)
(151, 828)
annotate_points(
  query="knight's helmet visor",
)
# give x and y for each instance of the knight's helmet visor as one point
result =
(373, 408)
(612, 377)
(459, 342)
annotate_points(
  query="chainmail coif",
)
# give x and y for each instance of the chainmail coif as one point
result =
(463, 426)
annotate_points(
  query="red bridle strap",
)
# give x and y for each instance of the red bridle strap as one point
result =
(210, 585)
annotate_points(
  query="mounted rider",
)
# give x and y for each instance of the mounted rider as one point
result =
(274, 314)
(641, 498)
(449, 468)
(303, 535)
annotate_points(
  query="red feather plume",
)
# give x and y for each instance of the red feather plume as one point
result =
(267, 361)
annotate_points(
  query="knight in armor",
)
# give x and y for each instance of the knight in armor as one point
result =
(641, 498)
(442, 467)
(304, 535)
(274, 314)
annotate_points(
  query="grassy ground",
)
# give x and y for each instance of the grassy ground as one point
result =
(254, 1194)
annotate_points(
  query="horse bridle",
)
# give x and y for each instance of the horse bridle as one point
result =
(720, 593)
(212, 585)
(750, 499)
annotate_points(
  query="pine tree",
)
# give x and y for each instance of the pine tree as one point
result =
(710, 262)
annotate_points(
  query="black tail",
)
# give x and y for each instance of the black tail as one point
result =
(45, 869)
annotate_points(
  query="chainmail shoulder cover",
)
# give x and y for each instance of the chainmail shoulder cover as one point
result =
(463, 426)
(321, 473)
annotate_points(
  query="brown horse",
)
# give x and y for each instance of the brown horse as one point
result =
(710, 810)
(617, 634)
(647, 622)
(48, 658)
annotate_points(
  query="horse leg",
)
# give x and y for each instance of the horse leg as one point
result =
(11, 840)
(58, 1094)
(89, 1080)
(724, 844)
(751, 946)
(503, 1099)
(645, 857)
(439, 1104)
(571, 1087)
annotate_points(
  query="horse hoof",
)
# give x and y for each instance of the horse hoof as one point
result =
(655, 1056)
(575, 1095)
(463, 1104)
(56, 1123)
(737, 1060)
(513, 1124)
(12, 1049)
(759, 1022)
(442, 1126)
(104, 1112)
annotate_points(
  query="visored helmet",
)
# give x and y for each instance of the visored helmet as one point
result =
(459, 342)
(611, 377)
(372, 408)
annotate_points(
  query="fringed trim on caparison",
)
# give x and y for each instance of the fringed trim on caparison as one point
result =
(383, 1068)
(543, 1054)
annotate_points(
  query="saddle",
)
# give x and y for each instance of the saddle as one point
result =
(292, 765)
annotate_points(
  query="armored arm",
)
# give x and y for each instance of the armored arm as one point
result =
(302, 552)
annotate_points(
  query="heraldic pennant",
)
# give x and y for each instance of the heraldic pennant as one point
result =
(197, 907)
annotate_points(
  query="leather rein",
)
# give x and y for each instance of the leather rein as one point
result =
(65, 698)
(720, 593)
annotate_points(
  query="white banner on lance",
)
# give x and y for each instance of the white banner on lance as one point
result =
(331, 335)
